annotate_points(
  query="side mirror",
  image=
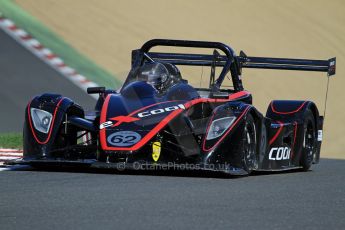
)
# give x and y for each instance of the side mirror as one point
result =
(94, 90)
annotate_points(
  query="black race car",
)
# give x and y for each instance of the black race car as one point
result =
(159, 120)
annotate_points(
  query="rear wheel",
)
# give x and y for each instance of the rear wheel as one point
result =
(250, 156)
(309, 141)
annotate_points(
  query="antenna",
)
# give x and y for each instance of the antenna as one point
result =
(326, 98)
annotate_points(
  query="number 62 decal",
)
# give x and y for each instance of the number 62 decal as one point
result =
(123, 138)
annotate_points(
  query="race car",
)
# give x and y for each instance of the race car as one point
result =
(159, 119)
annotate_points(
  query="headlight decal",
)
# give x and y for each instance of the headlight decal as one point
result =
(224, 134)
(41, 119)
(219, 126)
(51, 122)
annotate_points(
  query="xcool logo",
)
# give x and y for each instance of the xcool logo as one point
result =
(158, 111)
(128, 119)
(281, 153)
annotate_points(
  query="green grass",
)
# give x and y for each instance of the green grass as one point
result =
(11, 140)
(52, 41)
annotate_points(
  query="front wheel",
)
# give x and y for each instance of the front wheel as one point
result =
(250, 156)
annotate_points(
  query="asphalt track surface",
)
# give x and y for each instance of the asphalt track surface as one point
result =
(110, 200)
(22, 76)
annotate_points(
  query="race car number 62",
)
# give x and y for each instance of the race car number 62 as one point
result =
(123, 138)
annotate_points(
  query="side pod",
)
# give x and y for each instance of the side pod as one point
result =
(290, 111)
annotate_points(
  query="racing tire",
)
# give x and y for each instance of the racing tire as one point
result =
(309, 141)
(250, 150)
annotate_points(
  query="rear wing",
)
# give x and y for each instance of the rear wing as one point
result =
(244, 61)
(328, 66)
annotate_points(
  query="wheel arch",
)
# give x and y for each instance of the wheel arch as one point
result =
(229, 150)
(35, 143)
(290, 110)
(315, 111)
(318, 128)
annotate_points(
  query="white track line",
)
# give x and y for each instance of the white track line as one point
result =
(45, 54)
(8, 155)
(13, 167)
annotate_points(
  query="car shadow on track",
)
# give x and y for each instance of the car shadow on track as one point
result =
(166, 173)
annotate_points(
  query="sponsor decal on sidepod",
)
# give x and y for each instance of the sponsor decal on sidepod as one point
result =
(279, 153)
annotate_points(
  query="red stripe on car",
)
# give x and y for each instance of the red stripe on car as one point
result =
(162, 124)
(277, 133)
(291, 112)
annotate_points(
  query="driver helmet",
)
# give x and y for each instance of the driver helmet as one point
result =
(157, 74)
